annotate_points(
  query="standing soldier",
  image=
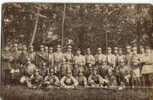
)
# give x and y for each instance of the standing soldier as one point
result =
(40, 56)
(46, 51)
(147, 69)
(58, 60)
(110, 58)
(99, 57)
(116, 55)
(121, 56)
(79, 63)
(6, 65)
(68, 56)
(51, 57)
(32, 54)
(89, 57)
(128, 56)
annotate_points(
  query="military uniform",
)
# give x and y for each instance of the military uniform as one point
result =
(147, 69)
(79, 64)
(89, 58)
(128, 56)
(95, 80)
(51, 57)
(32, 55)
(69, 81)
(99, 57)
(51, 80)
(110, 58)
(58, 61)
(6, 65)
(82, 80)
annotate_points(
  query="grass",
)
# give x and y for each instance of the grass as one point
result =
(23, 93)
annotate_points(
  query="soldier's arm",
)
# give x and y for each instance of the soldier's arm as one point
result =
(62, 81)
(57, 82)
(75, 81)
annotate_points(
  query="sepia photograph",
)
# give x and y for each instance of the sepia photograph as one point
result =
(76, 51)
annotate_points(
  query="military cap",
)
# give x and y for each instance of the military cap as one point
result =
(128, 47)
(46, 47)
(50, 48)
(109, 48)
(15, 45)
(31, 46)
(134, 48)
(44, 63)
(99, 49)
(52, 70)
(58, 46)
(41, 46)
(69, 46)
(115, 48)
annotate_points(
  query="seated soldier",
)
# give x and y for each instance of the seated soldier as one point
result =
(43, 70)
(51, 80)
(123, 73)
(103, 69)
(135, 73)
(69, 81)
(82, 80)
(111, 79)
(95, 80)
(88, 70)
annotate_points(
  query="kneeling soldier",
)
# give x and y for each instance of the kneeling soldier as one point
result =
(51, 80)
(95, 80)
(69, 81)
(82, 80)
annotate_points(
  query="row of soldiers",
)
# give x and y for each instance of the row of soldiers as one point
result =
(46, 68)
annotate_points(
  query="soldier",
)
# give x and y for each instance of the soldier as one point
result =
(46, 51)
(23, 56)
(121, 56)
(68, 60)
(147, 69)
(69, 81)
(99, 57)
(15, 53)
(51, 80)
(51, 57)
(79, 63)
(111, 80)
(135, 72)
(110, 58)
(58, 60)
(82, 80)
(89, 57)
(128, 56)
(32, 54)
(6, 65)
(123, 73)
(95, 80)
(103, 70)
(116, 55)
(43, 70)
(40, 56)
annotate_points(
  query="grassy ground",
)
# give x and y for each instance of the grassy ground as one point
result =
(23, 93)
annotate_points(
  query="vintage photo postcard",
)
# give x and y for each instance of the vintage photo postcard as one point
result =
(76, 51)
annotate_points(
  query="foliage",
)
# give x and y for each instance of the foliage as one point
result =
(88, 25)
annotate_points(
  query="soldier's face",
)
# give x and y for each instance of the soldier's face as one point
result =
(69, 49)
(41, 49)
(78, 52)
(94, 72)
(116, 51)
(122, 63)
(120, 52)
(99, 51)
(128, 50)
(31, 49)
(135, 51)
(109, 51)
(142, 50)
(81, 74)
(88, 51)
(58, 49)
(50, 51)
(15, 48)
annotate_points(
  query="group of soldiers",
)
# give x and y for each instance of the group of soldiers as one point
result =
(46, 68)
